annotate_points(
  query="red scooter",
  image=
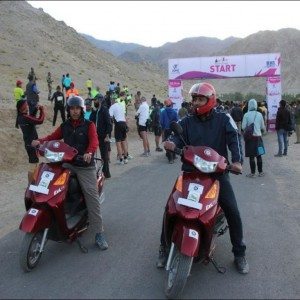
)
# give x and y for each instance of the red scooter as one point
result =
(193, 218)
(55, 206)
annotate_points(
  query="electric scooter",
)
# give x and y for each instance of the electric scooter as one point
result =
(193, 217)
(54, 202)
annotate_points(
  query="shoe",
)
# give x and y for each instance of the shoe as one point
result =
(159, 149)
(162, 258)
(125, 160)
(120, 162)
(261, 174)
(278, 155)
(100, 241)
(129, 157)
(241, 264)
(145, 154)
(297, 143)
(284, 154)
(171, 161)
(107, 176)
(250, 175)
(149, 154)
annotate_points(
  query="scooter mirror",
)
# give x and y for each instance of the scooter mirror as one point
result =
(174, 126)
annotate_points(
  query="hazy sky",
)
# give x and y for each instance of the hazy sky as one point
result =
(153, 23)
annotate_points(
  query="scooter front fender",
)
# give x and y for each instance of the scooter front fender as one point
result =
(35, 220)
(187, 239)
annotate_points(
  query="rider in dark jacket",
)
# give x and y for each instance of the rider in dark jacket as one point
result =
(208, 127)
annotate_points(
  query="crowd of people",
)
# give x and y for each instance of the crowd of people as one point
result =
(89, 123)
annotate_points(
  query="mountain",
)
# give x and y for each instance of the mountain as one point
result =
(113, 47)
(32, 38)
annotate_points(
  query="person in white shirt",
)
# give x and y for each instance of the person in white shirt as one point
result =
(117, 113)
(143, 115)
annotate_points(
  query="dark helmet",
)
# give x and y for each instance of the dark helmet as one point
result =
(99, 97)
(207, 90)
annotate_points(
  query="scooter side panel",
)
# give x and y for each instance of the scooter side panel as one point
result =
(187, 238)
(36, 219)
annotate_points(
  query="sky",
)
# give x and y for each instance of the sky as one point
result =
(154, 23)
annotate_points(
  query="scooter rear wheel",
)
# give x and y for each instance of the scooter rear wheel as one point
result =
(30, 250)
(180, 268)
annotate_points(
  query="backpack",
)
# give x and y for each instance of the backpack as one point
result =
(248, 131)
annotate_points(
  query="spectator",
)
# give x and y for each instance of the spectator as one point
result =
(62, 83)
(118, 89)
(67, 82)
(18, 91)
(143, 114)
(88, 109)
(237, 115)
(59, 105)
(297, 122)
(153, 101)
(100, 116)
(31, 74)
(137, 100)
(254, 147)
(32, 94)
(182, 112)
(167, 116)
(220, 106)
(27, 124)
(49, 84)
(283, 117)
(89, 85)
(155, 118)
(71, 91)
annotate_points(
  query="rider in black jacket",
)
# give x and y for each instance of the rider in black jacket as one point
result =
(208, 127)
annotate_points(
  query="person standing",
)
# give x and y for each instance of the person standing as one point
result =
(67, 82)
(27, 124)
(143, 115)
(81, 134)
(62, 83)
(167, 116)
(237, 115)
(18, 91)
(283, 118)
(137, 100)
(254, 147)
(155, 118)
(49, 83)
(100, 116)
(116, 112)
(31, 74)
(89, 85)
(297, 122)
(153, 101)
(59, 105)
(32, 95)
(71, 91)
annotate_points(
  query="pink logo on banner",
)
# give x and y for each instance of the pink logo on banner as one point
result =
(174, 83)
(274, 79)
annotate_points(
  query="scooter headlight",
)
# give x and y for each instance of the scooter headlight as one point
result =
(54, 156)
(204, 165)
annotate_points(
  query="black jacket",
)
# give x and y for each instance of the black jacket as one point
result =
(283, 118)
(218, 132)
(59, 99)
(102, 120)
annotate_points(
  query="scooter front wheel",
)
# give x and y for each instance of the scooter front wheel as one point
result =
(180, 268)
(30, 250)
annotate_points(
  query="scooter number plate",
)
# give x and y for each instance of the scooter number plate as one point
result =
(189, 203)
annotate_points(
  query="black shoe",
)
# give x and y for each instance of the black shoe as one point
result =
(162, 258)
(241, 264)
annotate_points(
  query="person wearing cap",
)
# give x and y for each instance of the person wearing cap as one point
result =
(18, 91)
(167, 116)
(72, 91)
(27, 124)
(81, 134)
(88, 108)
(59, 105)
(100, 116)
(143, 115)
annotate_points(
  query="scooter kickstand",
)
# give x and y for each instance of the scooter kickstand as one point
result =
(221, 270)
(81, 247)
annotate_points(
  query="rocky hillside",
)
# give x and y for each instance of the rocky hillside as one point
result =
(31, 38)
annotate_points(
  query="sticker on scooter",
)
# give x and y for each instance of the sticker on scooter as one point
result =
(189, 203)
(47, 175)
(57, 191)
(193, 234)
(195, 187)
(33, 211)
(38, 189)
(194, 196)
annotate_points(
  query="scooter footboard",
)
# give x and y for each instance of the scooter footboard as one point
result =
(187, 239)
(35, 220)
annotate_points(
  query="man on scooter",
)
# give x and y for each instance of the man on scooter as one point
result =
(82, 135)
(208, 127)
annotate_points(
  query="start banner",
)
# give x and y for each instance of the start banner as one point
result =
(251, 65)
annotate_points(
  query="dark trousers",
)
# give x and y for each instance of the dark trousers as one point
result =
(228, 204)
(62, 114)
(104, 147)
(253, 165)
